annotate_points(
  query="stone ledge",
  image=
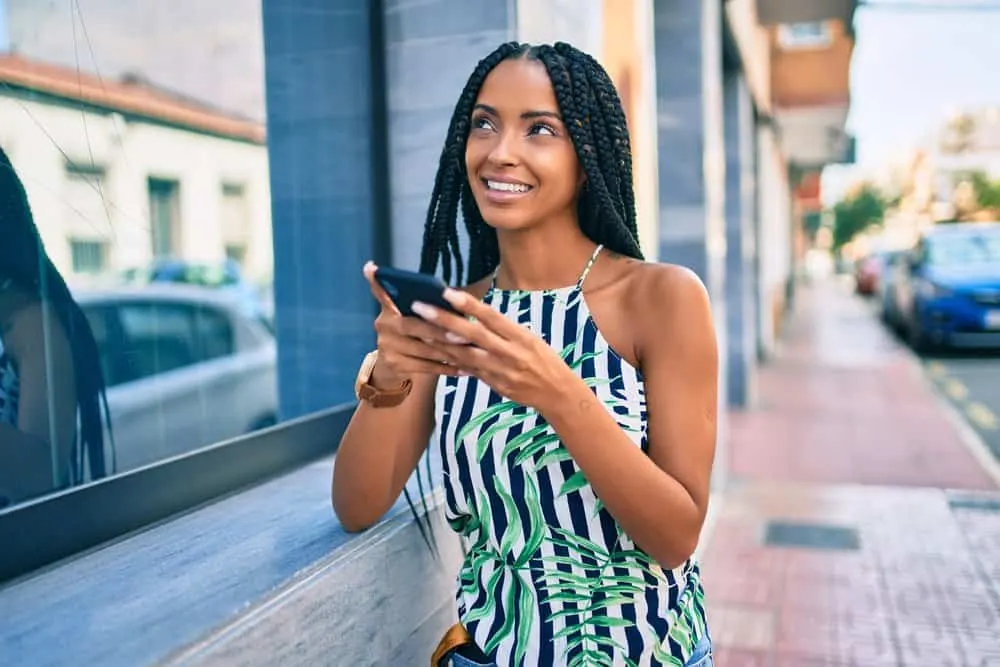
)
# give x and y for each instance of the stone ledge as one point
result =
(265, 576)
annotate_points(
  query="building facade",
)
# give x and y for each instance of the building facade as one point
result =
(118, 173)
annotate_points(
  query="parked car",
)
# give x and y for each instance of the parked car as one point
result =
(895, 266)
(869, 271)
(948, 290)
(225, 276)
(185, 367)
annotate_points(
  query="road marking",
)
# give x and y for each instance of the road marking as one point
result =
(956, 389)
(971, 438)
(982, 416)
(936, 369)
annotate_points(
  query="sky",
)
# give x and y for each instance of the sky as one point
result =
(911, 69)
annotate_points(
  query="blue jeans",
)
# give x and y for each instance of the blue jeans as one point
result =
(702, 657)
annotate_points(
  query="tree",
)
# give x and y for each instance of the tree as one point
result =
(987, 192)
(856, 213)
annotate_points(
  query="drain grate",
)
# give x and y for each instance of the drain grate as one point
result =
(988, 504)
(806, 535)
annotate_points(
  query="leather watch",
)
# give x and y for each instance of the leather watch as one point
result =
(364, 390)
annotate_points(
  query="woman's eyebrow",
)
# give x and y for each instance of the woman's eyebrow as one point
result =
(526, 115)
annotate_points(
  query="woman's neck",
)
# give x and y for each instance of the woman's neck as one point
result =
(542, 258)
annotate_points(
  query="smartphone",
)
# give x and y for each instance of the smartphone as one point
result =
(405, 287)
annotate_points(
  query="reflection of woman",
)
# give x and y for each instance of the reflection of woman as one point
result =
(577, 430)
(51, 384)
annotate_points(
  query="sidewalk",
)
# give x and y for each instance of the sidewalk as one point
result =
(858, 529)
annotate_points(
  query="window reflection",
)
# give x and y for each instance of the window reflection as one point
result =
(51, 382)
(149, 250)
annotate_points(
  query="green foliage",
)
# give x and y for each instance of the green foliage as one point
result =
(987, 192)
(856, 213)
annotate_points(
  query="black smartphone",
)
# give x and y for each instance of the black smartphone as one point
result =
(405, 287)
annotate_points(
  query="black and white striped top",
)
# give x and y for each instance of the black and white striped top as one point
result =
(550, 578)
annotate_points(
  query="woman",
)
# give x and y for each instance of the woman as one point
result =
(574, 404)
(51, 384)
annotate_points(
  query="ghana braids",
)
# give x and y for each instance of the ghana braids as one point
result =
(593, 115)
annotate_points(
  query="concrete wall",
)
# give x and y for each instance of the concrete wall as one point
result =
(692, 161)
(579, 22)
(775, 239)
(40, 137)
(432, 48)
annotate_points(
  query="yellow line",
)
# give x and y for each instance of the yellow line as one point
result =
(956, 389)
(982, 416)
(936, 370)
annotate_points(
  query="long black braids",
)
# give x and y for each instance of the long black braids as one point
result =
(26, 266)
(592, 113)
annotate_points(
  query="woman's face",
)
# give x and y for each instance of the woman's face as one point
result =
(520, 159)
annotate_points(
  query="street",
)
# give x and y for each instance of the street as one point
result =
(861, 525)
(971, 382)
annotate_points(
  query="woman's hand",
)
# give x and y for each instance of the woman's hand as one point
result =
(407, 346)
(514, 362)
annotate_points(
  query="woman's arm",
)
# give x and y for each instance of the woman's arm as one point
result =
(46, 423)
(661, 499)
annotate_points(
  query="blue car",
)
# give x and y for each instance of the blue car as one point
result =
(947, 293)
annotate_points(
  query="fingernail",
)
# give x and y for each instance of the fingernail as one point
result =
(454, 296)
(423, 310)
(455, 338)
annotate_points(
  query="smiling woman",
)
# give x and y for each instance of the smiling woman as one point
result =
(577, 430)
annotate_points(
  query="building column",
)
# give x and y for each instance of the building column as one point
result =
(322, 161)
(691, 162)
(431, 49)
(741, 320)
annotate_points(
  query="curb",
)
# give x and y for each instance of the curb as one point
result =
(972, 441)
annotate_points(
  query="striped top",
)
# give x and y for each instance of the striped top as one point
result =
(549, 577)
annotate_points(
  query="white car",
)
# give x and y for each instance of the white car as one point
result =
(185, 367)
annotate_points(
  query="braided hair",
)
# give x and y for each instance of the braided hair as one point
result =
(593, 114)
(26, 266)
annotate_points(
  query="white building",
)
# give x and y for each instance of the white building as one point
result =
(120, 172)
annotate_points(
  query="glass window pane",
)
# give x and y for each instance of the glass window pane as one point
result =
(137, 260)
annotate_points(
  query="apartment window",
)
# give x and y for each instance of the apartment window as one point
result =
(808, 35)
(86, 208)
(235, 222)
(164, 217)
(88, 256)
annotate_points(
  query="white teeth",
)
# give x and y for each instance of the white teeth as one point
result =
(507, 187)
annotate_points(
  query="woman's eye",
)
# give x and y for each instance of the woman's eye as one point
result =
(482, 124)
(542, 129)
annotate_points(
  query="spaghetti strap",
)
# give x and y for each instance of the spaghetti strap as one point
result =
(590, 265)
(579, 282)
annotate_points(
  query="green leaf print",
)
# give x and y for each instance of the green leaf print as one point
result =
(479, 419)
(486, 437)
(590, 595)
(557, 455)
(574, 483)
(536, 530)
(534, 447)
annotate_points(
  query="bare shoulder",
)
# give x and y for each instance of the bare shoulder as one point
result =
(671, 306)
(668, 287)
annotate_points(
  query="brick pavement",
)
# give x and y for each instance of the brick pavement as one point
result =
(848, 445)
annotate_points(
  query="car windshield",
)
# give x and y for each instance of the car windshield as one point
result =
(963, 250)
